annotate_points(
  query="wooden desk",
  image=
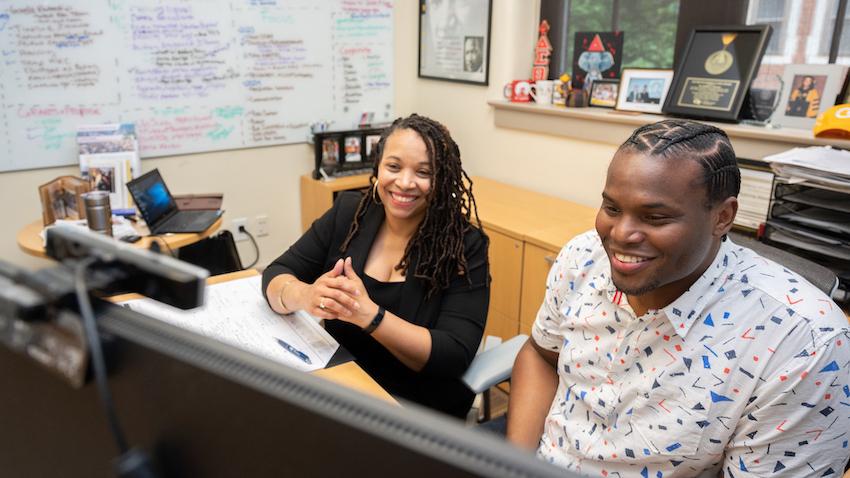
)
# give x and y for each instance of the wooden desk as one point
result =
(29, 239)
(348, 374)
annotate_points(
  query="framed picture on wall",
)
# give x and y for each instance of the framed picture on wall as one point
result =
(454, 40)
(643, 90)
(809, 91)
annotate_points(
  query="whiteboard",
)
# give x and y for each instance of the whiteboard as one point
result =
(192, 75)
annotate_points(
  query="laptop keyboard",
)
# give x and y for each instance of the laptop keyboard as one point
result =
(188, 221)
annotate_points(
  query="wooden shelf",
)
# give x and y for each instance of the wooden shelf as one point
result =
(611, 127)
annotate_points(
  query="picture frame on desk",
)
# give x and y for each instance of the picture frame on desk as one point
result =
(329, 154)
(345, 152)
(643, 90)
(353, 149)
(811, 90)
(604, 93)
(716, 70)
(62, 199)
(371, 145)
(454, 40)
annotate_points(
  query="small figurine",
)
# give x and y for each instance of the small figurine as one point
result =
(562, 90)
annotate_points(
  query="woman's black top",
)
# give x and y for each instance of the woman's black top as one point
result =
(455, 316)
(385, 294)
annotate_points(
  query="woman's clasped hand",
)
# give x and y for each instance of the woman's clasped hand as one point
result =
(338, 294)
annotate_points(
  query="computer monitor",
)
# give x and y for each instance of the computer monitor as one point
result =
(202, 408)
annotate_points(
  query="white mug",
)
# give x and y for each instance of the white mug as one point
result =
(542, 91)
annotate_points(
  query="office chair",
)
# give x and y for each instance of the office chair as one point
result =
(495, 365)
(492, 367)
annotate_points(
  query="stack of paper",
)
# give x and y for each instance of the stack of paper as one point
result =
(754, 198)
(109, 158)
(817, 165)
(810, 210)
(236, 313)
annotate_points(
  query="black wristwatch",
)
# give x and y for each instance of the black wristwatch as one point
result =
(375, 321)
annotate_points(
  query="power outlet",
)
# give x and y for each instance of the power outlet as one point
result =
(234, 228)
(261, 225)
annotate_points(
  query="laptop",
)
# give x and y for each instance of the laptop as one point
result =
(159, 209)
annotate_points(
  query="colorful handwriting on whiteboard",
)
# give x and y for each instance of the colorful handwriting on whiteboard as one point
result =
(47, 132)
(220, 132)
(4, 19)
(228, 112)
(171, 110)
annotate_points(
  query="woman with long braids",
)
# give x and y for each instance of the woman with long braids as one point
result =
(400, 274)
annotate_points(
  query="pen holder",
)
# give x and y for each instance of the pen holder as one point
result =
(98, 212)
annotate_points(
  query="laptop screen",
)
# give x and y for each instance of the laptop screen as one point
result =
(151, 196)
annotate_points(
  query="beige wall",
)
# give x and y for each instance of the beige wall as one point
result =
(254, 181)
(570, 169)
(265, 180)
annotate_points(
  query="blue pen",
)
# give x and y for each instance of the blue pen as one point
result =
(301, 355)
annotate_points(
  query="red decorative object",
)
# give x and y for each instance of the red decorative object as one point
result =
(542, 50)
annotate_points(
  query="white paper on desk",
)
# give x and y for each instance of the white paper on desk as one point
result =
(236, 313)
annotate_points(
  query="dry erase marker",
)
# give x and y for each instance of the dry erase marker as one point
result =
(301, 355)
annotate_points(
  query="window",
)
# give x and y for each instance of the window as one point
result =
(773, 13)
(649, 28)
(827, 30)
(802, 29)
(802, 33)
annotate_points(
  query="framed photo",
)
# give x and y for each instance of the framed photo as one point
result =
(716, 70)
(603, 93)
(454, 40)
(330, 162)
(643, 90)
(353, 151)
(62, 199)
(598, 55)
(371, 143)
(809, 91)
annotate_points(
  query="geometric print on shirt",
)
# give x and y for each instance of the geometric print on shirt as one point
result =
(747, 372)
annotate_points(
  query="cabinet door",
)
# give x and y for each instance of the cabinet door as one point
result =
(535, 269)
(506, 272)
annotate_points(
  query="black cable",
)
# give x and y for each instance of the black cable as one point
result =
(160, 240)
(131, 463)
(98, 364)
(256, 247)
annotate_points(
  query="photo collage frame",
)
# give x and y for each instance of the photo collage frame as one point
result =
(345, 152)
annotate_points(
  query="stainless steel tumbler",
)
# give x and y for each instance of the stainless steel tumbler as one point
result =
(98, 212)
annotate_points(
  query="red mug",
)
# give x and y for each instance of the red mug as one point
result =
(518, 91)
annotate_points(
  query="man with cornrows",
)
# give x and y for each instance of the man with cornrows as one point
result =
(662, 349)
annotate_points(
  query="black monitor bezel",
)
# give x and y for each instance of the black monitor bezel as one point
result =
(367, 427)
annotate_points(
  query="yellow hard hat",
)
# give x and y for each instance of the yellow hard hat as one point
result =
(833, 123)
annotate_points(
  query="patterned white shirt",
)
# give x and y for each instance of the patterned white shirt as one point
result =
(748, 371)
